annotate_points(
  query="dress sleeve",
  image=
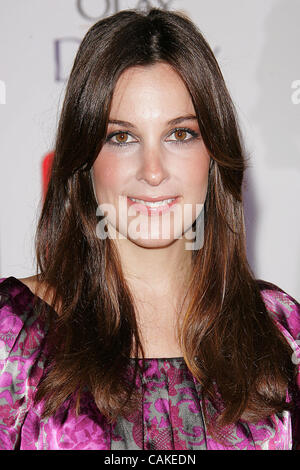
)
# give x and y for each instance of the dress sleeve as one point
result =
(21, 335)
(285, 311)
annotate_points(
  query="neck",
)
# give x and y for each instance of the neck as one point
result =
(156, 271)
(158, 280)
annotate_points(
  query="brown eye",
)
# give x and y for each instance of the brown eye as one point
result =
(180, 135)
(183, 136)
(122, 137)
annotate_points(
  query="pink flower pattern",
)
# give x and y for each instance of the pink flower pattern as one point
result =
(170, 415)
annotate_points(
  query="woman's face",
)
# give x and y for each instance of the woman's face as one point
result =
(153, 150)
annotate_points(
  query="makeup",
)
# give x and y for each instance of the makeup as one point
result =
(154, 206)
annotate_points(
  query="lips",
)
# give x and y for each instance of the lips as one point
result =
(153, 199)
(152, 206)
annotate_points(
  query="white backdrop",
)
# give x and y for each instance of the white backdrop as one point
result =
(257, 44)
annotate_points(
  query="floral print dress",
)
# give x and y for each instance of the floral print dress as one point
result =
(171, 413)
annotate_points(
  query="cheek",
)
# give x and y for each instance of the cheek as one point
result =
(108, 174)
(195, 177)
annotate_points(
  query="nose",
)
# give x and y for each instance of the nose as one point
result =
(153, 168)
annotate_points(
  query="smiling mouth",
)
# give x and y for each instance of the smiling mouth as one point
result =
(153, 207)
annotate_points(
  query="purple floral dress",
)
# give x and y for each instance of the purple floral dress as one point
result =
(171, 415)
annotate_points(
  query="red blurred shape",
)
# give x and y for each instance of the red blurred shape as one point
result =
(46, 169)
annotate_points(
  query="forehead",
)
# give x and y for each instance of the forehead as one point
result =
(150, 91)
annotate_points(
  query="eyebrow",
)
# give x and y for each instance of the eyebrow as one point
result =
(172, 122)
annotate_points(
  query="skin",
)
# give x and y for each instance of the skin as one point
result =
(153, 163)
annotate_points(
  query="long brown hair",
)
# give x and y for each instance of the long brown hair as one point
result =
(227, 336)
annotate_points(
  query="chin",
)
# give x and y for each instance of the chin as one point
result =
(152, 243)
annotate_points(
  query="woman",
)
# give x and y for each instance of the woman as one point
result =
(128, 337)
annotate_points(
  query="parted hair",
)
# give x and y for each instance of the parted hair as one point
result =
(227, 336)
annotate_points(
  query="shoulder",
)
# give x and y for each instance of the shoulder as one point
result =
(281, 306)
(285, 311)
(21, 327)
(22, 356)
